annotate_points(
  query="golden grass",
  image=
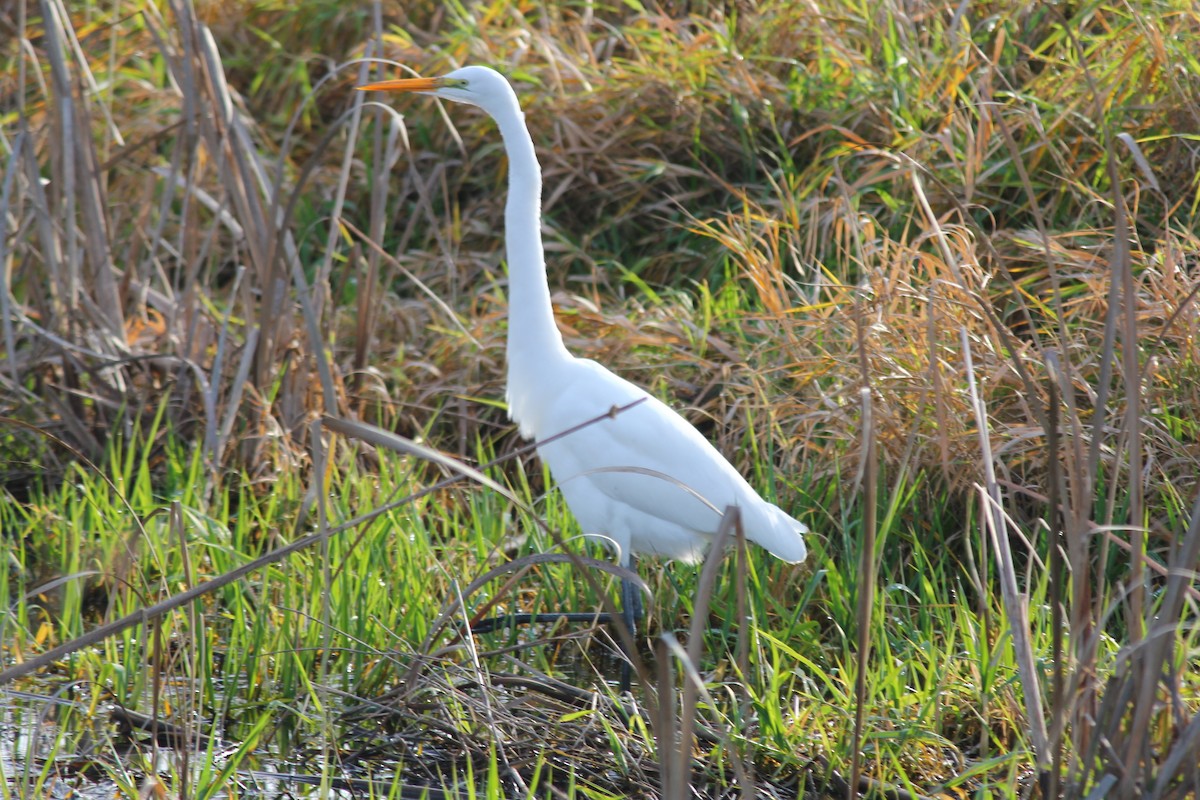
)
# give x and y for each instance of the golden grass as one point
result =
(664, 128)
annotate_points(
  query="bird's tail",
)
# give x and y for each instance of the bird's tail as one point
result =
(769, 527)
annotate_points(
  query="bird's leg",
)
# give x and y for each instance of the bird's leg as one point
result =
(631, 615)
(631, 601)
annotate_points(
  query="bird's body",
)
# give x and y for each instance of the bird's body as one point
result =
(644, 479)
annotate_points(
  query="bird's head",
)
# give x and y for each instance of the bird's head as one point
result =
(476, 86)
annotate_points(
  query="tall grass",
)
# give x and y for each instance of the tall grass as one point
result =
(983, 217)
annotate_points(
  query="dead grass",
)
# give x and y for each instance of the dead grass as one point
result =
(197, 225)
(664, 127)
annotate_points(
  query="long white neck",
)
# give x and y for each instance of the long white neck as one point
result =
(533, 338)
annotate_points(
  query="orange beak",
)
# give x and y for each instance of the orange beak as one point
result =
(403, 85)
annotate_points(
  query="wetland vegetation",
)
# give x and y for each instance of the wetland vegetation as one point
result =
(926, 273)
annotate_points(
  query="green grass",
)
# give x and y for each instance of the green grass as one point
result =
(754, 210)
(273, 659)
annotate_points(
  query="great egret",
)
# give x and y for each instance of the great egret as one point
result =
(645, 480)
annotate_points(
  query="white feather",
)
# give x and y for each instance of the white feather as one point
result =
(645, 479)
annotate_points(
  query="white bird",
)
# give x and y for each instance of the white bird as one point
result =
(644, 479)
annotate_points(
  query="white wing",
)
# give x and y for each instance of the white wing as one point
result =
(648, 472)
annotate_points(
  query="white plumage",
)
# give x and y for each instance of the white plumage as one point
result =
(644, 479)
